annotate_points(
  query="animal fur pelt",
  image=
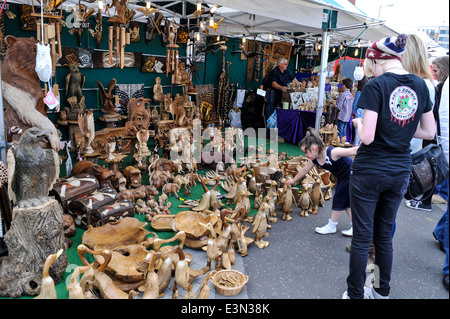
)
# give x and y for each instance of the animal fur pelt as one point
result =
(23, 98)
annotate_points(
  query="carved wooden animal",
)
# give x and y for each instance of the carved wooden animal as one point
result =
(138, 116)
(316, 195)
(23, 98)
(244, 201)
(32, 170)
(74, 82)
(192, 178)
(260, 226)
(305, 201)
(106, 98)
(164, 164)
(171, 188)
(99, 279)
(133, 176)
(182, 277)
(104, 176)
(252, 183)
(181, 180)
(159, 178)
(152, 283)
(212, 251)
(48, 290)
(287, 200)
(75, 287)
(209, 198)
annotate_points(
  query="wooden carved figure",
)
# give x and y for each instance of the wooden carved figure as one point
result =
(133, 176)
(87, 129)
(212, 251)
(48, 290)
(74, 82)
(158, 95)
(138, 116)
(142, 137)
(286, 200)
(260, 226)
(23, 97)
(244, 201)
(305, 201)
(169, 188)
(209, 198)
(316, 195)
(107, 99)
(110, 148)
(32, 170)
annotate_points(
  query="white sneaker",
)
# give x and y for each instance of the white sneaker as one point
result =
(327, 229)
(367, 294)
(376, 295)
(348, 232)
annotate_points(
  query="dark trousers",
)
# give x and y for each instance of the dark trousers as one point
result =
(374, 201)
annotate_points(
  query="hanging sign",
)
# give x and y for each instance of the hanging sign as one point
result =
(329, 19)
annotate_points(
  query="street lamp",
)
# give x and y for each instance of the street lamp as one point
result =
(379, 9)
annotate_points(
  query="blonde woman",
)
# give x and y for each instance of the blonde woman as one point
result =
(415, 61)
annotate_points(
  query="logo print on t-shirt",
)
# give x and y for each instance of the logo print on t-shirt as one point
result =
(403, 104)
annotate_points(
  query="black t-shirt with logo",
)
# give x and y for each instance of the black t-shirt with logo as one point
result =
(400, 101)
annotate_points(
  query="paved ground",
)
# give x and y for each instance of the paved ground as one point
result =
(300, 264)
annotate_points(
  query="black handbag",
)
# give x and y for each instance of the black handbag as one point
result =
(429, 168)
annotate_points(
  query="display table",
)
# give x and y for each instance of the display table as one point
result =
(292, 124)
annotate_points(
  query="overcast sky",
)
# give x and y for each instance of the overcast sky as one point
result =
(407, 15)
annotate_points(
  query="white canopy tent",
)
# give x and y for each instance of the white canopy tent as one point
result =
(283, 17)
(287, 20)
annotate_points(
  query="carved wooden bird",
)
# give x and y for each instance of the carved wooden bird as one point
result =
(32, 170)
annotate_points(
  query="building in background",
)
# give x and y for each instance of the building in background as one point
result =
(438, 33)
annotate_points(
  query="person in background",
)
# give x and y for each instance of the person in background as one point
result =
(440, 71)
(345, 105)
(415, 61)
(441, 230)
(380, 171)
(337, 161)
(279, 78)
(357, 112)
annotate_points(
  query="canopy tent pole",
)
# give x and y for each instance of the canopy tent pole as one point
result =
(323, 70)
(2, 124)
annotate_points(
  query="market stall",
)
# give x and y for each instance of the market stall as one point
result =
(117, 129)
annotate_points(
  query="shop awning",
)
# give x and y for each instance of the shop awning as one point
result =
(283, 18)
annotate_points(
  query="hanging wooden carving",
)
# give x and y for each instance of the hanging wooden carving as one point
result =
(172, 52)
(118, 37)
(27, 21)
(280, 50)
(153, 25)
(205, 102)
(250, 60)
(80, 22)
(266, 61)
(97, 31)
(135, 27)
(224, 79)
